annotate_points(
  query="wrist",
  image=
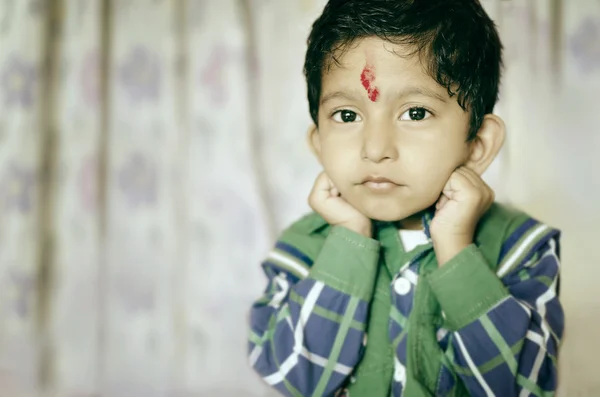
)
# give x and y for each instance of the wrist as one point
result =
(363, 228)
(448, 248)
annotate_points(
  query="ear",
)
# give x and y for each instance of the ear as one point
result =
(487, 144)
(314, 142)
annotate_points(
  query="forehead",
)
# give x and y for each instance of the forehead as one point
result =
(392, 64)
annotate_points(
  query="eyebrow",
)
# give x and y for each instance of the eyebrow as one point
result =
(420, 91)
(406, 92)
(339, 95)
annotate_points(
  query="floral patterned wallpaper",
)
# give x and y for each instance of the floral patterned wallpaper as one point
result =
(136, 201)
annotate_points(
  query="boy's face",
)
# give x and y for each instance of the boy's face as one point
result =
(381, 116)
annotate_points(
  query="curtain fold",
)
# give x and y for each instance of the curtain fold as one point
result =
(150, 152)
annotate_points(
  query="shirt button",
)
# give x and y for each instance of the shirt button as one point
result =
(402, 286)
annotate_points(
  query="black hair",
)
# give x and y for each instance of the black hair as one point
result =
(456, 40)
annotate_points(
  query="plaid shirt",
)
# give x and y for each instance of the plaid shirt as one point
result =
(500, 333)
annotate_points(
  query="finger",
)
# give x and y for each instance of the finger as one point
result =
(472, 178)
(479, 183)
(492, 195)
(481, 191)
(333, 190)
(456, 182)
(475, 183)
(323, 182)
(320, 190)
(471, 171)
(441, 202)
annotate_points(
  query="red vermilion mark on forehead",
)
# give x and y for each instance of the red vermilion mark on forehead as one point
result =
(367, 77)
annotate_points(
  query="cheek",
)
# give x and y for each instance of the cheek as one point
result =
(434, 165)
(437, 172)
(337, 155)
(442, 153)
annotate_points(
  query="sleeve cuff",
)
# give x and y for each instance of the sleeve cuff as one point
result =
(466, 288)
(348, 262)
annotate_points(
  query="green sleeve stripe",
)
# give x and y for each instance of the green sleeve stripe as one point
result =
(325, 313)
(547, 281)
(398, 317)
(266, 336)
(507, 354)
(295, 392)
(284, 312)
(533, 388)
(289, 386)
(522, 248)
(259, 340)
(399, 338)
(337, 346)
(491, 364)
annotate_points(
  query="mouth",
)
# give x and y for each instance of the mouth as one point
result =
(378, 183)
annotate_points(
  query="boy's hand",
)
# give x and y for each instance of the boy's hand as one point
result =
(465, 198)
(325, 199)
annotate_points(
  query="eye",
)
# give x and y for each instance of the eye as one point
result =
(346, 116)
(415, 114)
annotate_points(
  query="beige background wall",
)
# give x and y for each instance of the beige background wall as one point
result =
(150, 150)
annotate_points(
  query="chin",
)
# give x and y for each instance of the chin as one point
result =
(386, 216)
(388, 213)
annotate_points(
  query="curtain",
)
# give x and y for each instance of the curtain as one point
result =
(151, 150)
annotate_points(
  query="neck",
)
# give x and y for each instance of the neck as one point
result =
(413, 222)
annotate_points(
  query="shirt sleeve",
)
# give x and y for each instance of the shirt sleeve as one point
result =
(308, 329)
(505, 327)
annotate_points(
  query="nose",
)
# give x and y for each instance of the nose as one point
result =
(379, 145)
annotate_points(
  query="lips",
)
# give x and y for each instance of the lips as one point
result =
(379, 183)
(378, 179)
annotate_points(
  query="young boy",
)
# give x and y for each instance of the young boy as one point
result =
(407, 280)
